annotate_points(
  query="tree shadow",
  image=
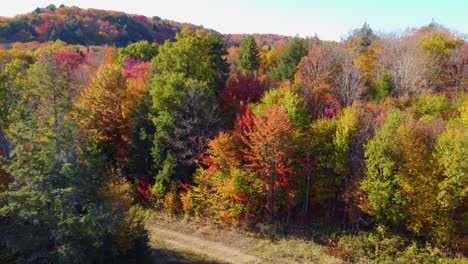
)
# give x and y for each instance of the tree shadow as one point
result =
(166, 256)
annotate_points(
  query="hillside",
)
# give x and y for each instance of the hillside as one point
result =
(98, 27)
(87, 27)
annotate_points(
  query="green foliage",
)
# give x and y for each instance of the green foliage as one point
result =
(381, 87)
(383, 196)
(52, 194)
(287, 60)
(196, 55)
(248, 54)
(54, 209)
(141, 50)
(325, 181)
(164, 177)
(439, 44)
(140, 160)
(345, 130)
(450, 155)
(372, 247)
(292, 103)
(186, 76)
(430, 104)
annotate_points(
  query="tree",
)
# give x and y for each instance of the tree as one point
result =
(437, 49)
(288, 58)
(318, 68)
(450, 152)
(360, 40)
(107, 104)
(380, 186)
(269, 153)
(249, 55)
(11, 80)
(349, 85)
(198, 55)
(292, 104)
(51, 195)
(141, 50)
(458, 64)
(380, 88)
(240, 88)
(406, 66)
(196, 59)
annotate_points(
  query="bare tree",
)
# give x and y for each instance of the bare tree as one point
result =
(198, 124)
(458, 67)
(349, 85)
(317, 68)
(406, 66)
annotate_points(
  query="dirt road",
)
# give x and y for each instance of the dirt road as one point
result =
(216, 251)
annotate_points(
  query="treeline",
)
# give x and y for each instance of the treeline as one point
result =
(368, 134)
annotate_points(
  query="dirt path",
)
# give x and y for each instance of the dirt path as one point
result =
(214, 250)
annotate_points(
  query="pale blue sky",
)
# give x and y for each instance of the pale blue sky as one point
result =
(330, 19)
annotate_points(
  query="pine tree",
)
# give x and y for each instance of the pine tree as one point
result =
(249, 55)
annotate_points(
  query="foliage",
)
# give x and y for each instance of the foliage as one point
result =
(381, 87)
(87, 27)
(288, 58)
(248, 54)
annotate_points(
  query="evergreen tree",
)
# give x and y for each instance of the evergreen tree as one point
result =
(194, 61)
(288, 59)
(248, 54)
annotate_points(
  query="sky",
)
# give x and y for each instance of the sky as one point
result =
(329, 19)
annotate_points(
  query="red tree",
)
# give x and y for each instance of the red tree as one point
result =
(270, 153)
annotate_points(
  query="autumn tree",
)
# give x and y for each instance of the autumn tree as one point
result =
(106, 106)
(318, 68)
(349, 86)
(407, 68)
(458, 67)
(240, 88)
(269, 151)
(437, 49)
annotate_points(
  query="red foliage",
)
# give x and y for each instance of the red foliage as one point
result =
(143, 187)
(241, 88)
(135, 68)
(68, 60)
(44, 26)
(321, 103)
(141, 18)
(270, 153)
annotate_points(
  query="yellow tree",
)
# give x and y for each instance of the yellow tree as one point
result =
(107, 103)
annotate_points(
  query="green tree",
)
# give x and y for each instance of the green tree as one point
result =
(248, 54)
(198, 55)
(381, 87)
(292, 103)
(53, 210)
(380, 185)
(288, 59)
(141, 50)
(195, 62)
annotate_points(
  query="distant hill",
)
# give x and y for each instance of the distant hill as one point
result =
(98, 27)
(261, 39)
(87, 27)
